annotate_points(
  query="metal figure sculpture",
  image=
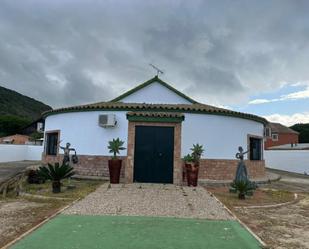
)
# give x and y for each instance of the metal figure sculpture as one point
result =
(241, 172)
(67, 160)
(66, 157)
(241, 183)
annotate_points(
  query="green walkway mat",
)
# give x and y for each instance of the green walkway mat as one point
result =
(125, 232)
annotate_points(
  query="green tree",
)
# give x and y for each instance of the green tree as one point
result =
(36, 135)
(303, 130)
(10, 124)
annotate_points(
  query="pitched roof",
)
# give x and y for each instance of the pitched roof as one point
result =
(147, 83)
(280, 128)
(143, 107)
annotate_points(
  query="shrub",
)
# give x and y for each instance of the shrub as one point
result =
(56, 173)
(243, 188)
(34, 177)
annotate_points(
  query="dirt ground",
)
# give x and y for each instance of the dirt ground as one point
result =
(285, 227)
(19, 215)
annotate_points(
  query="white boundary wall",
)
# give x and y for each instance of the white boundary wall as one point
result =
(289, 160)
(13, 152)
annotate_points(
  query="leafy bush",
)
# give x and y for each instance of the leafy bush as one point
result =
(56, 173)
(188, 158)
(115, 146)
(34, 177)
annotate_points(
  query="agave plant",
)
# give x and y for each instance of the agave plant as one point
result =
(243, 187)
(56, 173)
(188, 158)
(115, 146)
(197, 152)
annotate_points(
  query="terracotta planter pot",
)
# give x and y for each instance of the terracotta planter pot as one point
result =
(56, 185)
(192, 174)
(114, 167)
(188, 167)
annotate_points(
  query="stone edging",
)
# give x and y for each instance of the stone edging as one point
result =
(208, 182)
(44, 197)
(296, 199)
(38, 225)
(240, 222)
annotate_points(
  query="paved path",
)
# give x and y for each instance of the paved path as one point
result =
(131, 232)
(11, 168)
(151, 200)
(291, 181)
(125, 216)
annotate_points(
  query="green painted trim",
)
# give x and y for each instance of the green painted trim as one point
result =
(154, 79)
(237, 115)
(155, 119)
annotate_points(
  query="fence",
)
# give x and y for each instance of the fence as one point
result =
(289, 160)
(13, 152)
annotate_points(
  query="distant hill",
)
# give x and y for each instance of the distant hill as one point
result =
(17, 111)
(16, 104)
(303, 130)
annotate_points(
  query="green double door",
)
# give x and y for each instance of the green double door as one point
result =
(154, 154)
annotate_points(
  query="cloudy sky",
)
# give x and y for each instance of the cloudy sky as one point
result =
(250, 56)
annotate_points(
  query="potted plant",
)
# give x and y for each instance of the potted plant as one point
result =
(188, 159)
(192, 164)
(56, 173)
(114, 165)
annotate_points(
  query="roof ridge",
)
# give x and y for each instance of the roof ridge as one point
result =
(147, 83)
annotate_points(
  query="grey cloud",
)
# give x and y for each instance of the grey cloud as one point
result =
(74, 52)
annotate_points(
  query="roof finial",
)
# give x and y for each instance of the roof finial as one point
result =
(157, 69)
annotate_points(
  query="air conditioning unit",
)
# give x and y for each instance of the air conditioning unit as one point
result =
(107, 120)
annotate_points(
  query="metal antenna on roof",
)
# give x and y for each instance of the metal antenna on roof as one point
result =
(159, 71)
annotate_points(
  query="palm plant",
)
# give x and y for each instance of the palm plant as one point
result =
(197, 152)
(243, 187)
(115, 146)
(56, 173)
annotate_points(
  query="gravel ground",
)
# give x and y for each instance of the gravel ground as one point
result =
(150, 200)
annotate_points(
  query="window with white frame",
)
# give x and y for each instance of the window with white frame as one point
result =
(274, 137)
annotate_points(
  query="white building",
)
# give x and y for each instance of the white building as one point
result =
(159, 126)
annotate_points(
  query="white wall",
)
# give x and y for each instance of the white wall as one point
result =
(12, 152)
(155, 93)
(82, 130)
(220, 135)
(288, 160)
